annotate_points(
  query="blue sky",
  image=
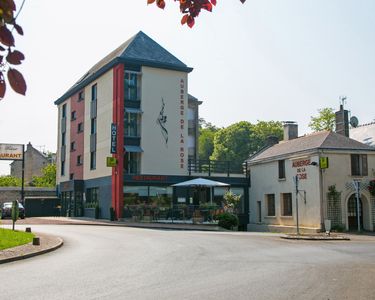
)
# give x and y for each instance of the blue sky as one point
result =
(264, 60)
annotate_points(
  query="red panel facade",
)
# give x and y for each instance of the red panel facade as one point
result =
(77, 114)
(118, 119)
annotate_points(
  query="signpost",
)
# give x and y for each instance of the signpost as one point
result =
(296, 182)
(357, 187)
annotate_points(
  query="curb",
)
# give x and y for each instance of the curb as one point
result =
(316, 238)
(33, 254)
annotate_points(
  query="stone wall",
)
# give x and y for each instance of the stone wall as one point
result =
(8, 194)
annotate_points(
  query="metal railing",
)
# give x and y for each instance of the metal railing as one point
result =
(216, 166)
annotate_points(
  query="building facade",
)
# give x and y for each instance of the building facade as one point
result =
(35, 161)
(327, 166)
(126, 132)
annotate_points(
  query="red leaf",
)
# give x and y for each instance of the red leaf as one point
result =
(160, 3)
(150, 1)
(18, 29)
(190, 21)
(6, 36)
(2, 87)
(17, 82)
(213, 2)
(184, 19)
(15, 57)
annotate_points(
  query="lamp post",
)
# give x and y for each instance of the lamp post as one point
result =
(296, 182)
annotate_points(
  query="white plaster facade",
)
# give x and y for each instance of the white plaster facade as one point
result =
(314, 205)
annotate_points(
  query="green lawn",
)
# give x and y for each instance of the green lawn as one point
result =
(10, 238)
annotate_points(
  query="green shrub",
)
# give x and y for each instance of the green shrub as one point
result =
(338, 228)
(111, 214)
(97, 211)
(227, 220)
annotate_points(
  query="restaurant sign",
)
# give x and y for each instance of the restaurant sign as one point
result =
(300, 166)
(11, 152)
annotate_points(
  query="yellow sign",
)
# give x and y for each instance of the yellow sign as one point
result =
(323, 162)
(111, 162)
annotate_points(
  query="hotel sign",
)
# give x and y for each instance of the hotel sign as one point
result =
(300, 166)
(113, 138)
(11, 152)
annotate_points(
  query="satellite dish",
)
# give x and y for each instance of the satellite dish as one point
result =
(354, 121)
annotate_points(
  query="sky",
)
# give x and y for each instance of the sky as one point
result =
(264, 60)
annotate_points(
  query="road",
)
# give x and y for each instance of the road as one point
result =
(98, 262)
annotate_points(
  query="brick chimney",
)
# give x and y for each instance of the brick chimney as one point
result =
(342, 121)
(290, 130)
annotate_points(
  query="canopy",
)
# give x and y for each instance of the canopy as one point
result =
(201, 182)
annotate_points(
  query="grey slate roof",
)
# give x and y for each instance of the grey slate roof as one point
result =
(364, 133)
(323, 140)
(139, 50)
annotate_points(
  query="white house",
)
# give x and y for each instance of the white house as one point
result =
(326, 164)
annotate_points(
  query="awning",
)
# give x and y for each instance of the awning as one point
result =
(201, 182)
(133, 149)
(133, 110)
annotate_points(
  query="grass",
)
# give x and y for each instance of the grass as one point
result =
(10, 238)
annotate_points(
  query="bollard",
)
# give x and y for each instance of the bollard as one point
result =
(36, 241)
(28, 229)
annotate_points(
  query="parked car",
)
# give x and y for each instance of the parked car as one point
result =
(6, 210)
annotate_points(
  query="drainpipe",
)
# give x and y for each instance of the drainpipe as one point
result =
(321, 187)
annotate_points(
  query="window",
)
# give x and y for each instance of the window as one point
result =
(62, 168)
(132, 124)
(80, 127)
(94, 92)
(81, 96)
(132, 163)
(63, 141)
(132, 86)
(73, 115)
(93, 125)
(71, 176)
(63, 113)
(92, 195)
(72, 146)
(281, 169)
(286, 204)
(270, 203)
(359, 164)
(92, 160)
(79, 160)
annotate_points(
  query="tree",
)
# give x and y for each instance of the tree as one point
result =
(8, 180)
(48, 179)
(206, 139)
(233, 143)
(9, 56)
(324, 121)
(262, 130)
(189, 8)
(236, 142)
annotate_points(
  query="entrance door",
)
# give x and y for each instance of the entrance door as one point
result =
(352, 213)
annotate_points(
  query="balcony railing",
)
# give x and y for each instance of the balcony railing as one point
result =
(210, 167)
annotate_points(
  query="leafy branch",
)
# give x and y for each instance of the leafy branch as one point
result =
(189, 8)
(8, 55)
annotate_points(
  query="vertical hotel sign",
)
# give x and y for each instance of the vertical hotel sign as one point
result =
(113, 138)
(11, 152)
(182, 124)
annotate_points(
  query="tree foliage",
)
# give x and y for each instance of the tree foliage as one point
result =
(48, 179)
(324, 121)
(236, 142)
(189, 8)
(8, 180)
(206, 139)
(8, 55)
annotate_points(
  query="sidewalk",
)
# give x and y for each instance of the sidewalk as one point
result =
(149, 225)
(48, 243)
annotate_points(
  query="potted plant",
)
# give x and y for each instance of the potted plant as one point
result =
(371, 187)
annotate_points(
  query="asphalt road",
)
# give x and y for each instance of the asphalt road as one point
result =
(128, 263)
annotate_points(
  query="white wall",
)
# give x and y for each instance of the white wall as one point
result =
(160, 157)
(264, 180)
(104, 120)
